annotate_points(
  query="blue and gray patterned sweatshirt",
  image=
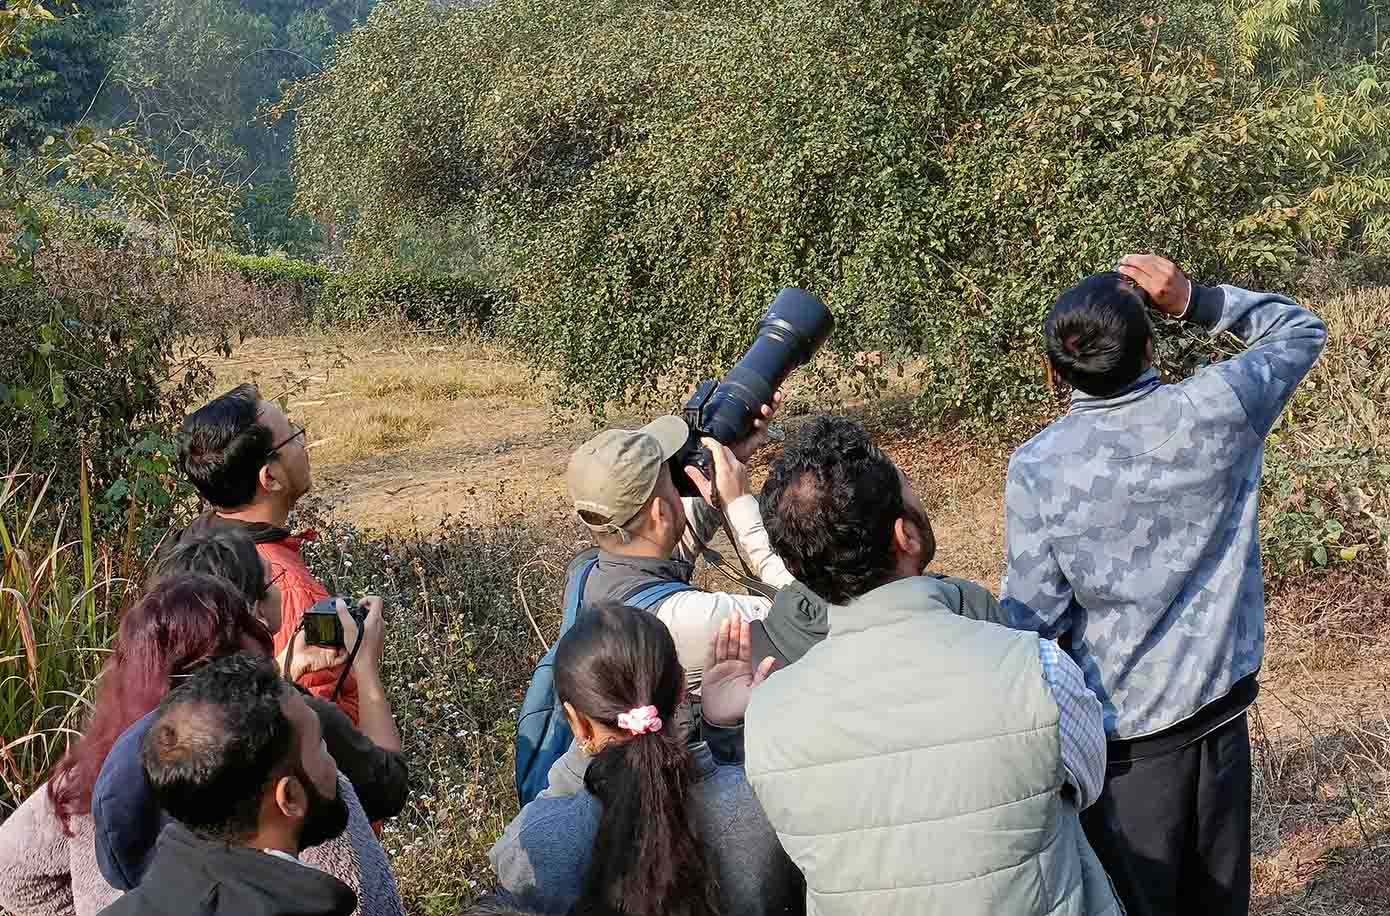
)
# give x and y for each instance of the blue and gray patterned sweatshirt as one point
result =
(1132, 522)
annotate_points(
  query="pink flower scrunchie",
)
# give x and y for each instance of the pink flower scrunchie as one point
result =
(641, 720)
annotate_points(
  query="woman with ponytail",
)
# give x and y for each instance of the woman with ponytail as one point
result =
(661, 828)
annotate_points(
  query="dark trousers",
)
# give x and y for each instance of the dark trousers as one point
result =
(1173, 830)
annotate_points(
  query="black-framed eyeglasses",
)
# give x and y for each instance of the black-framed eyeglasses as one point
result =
(300, 431)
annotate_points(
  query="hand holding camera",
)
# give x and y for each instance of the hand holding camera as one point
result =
(330, 632)
(731, 479)
(373, 636)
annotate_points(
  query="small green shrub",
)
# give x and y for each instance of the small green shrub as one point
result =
(428, 299)
(271, 270)
(353, 298)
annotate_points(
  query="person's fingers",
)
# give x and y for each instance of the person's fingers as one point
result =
(701, 482)
(1142, 279)
(723, 458)
(764, 669)
(745, 641)
(1144, 264)
(721, 652)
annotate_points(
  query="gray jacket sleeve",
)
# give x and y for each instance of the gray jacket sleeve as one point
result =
(756, 876)
(542, 856)
(1283, 341)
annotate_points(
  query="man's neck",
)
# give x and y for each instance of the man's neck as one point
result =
(264, 513)
(640, 549)
(642, 546)
(268, 839)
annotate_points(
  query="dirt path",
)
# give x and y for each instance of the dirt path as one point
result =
(405, 432)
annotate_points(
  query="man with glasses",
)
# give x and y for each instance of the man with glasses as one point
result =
(249, 462)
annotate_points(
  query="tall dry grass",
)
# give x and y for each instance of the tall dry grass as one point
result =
(58, 589)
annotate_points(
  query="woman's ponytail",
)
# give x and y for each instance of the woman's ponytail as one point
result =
(619, 666)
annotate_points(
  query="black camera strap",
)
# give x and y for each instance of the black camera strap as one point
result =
(361, 620)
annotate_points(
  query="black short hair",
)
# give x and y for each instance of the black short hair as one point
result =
(1098, 334)
(223, 445)
(217, 548)
(830, 504)
(216, 742)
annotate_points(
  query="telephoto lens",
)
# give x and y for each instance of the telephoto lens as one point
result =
(789, 334)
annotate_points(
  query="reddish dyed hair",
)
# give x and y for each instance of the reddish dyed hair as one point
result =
(181, 622)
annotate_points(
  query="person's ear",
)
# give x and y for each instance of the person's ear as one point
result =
(581, 726)
(658, 513)
(907, 538)
(291, 798)
(268, 479)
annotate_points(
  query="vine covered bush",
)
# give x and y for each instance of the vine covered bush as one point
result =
(644, 176)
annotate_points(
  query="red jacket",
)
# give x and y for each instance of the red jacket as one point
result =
(300, 591)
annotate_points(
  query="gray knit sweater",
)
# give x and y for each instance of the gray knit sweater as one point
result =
(44, 872)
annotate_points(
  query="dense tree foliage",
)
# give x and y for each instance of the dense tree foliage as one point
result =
(189, 78)
(644, 175)
(193, 73)
(54, 84)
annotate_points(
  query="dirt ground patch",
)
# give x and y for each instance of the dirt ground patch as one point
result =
(406, 431)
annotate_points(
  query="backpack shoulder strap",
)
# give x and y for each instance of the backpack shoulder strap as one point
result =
(578, 578)
(649, 596)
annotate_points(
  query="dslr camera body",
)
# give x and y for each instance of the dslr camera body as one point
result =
(788, 335)
(322, 627)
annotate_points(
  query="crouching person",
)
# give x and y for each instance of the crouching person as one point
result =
(916, 761)
(660, 827)
(238, 759)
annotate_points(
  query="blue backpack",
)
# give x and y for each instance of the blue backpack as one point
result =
(542, 733)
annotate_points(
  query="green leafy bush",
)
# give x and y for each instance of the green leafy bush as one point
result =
(100, 350)
(332, 298)
(1327, 465)
(429, 299)
(644, 176)
(274, 271)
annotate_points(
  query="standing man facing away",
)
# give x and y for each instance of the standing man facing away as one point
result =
(250, 464)
(917, 760)
(1133, 538)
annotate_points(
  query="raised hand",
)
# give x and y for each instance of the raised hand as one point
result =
(729, 676)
